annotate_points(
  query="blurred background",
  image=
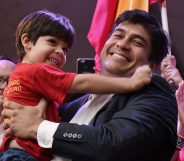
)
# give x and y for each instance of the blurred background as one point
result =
(80, 12)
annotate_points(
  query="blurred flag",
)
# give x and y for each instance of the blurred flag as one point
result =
(103, 20)
(155, 1)
(104, 16)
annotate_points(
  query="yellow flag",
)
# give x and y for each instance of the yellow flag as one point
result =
(132, 4)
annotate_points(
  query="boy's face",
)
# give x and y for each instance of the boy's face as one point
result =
(47, 49)
(127, 48)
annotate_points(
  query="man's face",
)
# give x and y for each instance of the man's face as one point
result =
(127, 48)
(6, 68)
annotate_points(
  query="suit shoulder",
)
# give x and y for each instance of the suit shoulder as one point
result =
(161, 84)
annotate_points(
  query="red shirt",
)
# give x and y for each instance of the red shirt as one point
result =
(27, 85)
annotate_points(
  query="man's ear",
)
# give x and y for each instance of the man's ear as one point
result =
(26, 42)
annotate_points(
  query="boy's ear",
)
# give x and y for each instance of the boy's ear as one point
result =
(26, 42)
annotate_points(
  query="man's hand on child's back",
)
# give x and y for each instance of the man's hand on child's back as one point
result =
(23, 121)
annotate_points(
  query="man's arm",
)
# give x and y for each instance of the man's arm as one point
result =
(131, 127)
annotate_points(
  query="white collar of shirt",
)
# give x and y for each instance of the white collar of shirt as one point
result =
(89, 110)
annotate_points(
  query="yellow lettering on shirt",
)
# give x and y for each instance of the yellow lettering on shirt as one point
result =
(14, 86)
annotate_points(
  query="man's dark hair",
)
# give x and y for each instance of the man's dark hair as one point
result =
(159, 41)
(44, 23)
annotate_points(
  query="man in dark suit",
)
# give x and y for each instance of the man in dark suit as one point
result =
(138, 126)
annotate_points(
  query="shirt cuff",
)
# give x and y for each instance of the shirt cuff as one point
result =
(45, 133)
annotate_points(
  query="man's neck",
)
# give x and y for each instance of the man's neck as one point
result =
(109, 74)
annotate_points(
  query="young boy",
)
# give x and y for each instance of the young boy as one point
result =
(42, 40)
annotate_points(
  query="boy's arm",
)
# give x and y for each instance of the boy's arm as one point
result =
(93, 83)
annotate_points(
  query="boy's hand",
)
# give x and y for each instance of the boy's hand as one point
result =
(23, 121)
(141, 77)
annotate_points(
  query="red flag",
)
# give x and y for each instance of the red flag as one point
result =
(155, 1)
(102, 22)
